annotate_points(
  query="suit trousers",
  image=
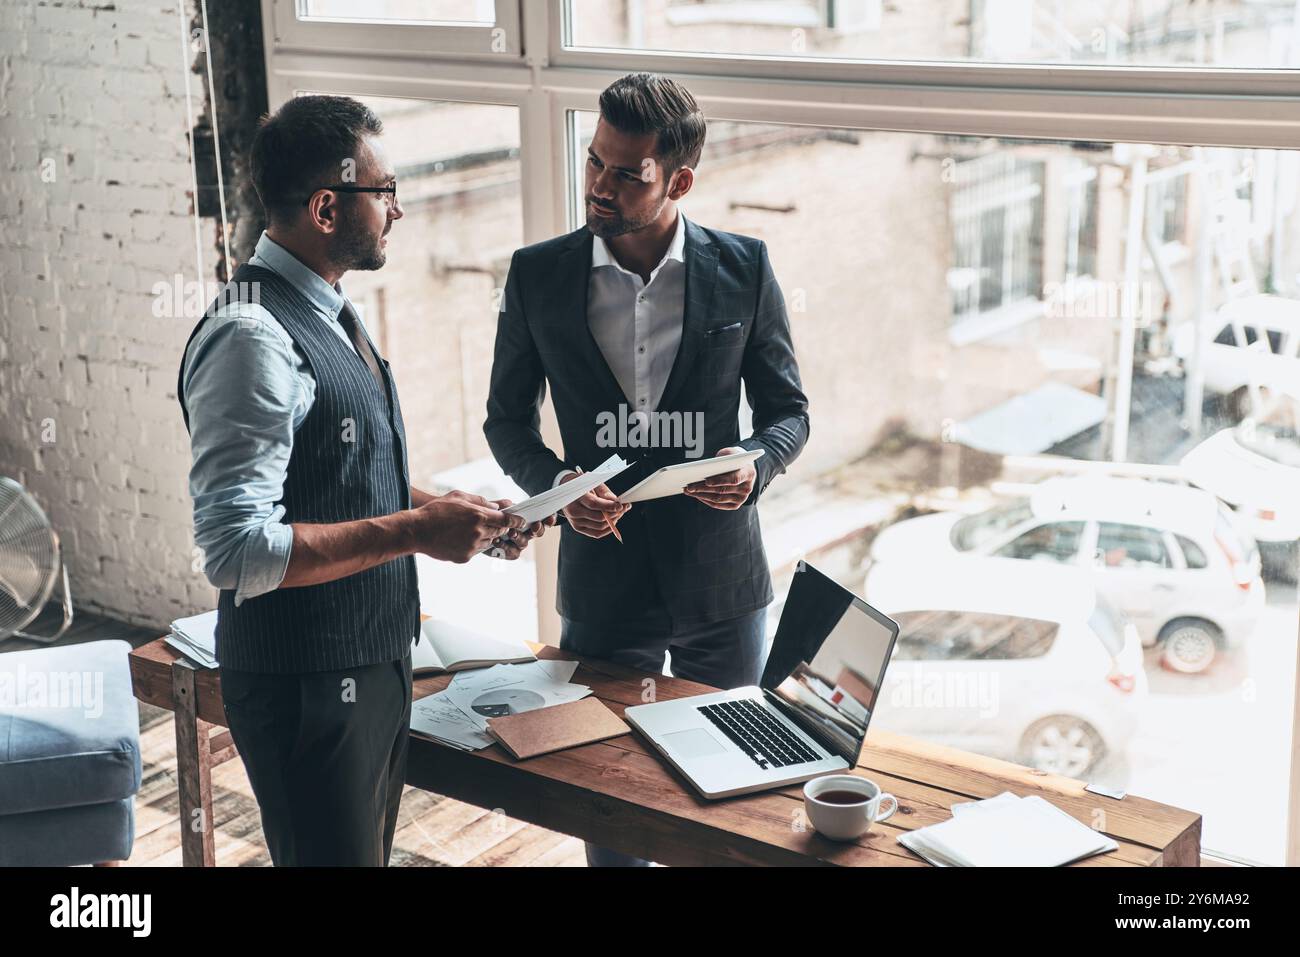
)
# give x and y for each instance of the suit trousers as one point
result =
(326, 754)
(724, 654)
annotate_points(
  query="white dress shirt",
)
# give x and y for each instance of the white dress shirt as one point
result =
(636, 324)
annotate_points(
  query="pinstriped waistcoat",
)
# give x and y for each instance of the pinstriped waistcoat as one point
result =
(348, 462)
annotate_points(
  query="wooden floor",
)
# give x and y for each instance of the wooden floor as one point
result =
(432, 831)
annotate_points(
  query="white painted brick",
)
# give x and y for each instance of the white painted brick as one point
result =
(101, 93)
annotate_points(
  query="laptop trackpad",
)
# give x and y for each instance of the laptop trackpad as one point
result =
(694, 743)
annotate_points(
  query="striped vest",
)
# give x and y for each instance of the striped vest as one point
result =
(348, 462)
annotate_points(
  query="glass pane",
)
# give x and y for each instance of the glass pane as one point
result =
(1055, 542)
(1130, 546)
(432, 311)
(1129, 32)
(478, 12)
(956, 305)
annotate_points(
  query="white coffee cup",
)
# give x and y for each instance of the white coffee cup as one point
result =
(844, 822)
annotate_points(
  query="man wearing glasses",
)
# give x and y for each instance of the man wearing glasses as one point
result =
(302, 503)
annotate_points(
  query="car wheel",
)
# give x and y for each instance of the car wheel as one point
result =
(1189, 646)
(1281, 562)
(1062, 744)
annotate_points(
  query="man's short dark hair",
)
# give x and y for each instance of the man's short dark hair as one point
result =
(302, 147)
(641, 103)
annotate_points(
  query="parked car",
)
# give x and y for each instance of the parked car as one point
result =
(1013, 660)
(1173, 559)
(1255, 468)
(1250, 341)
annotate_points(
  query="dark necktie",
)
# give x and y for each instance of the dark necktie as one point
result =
(351, 324)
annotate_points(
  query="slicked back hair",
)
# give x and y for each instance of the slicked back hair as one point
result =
(642, 103)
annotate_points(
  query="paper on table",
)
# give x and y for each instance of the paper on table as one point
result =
(196, 653)
(552, 500)
(1016, 832)
(449, 647)
(1003, 798)
(560, 671)
(196, 636)
(435, 716)
(509, 689)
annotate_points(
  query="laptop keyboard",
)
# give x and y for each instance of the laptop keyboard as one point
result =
(758, 733)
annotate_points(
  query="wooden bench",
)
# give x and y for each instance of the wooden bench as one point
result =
(619, 794)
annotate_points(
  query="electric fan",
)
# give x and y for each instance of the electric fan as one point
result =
(30, 562)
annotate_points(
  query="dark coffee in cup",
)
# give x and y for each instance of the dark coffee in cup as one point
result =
(843, 797)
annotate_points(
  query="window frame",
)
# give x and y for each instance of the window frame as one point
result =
(290, 29)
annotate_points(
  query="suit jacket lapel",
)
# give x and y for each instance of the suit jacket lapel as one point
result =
(701, 271)
(572, 276)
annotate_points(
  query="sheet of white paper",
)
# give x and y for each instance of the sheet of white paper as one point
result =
(195, 652)
(199, 630)
(1023, 832)
(560, 671)
(1002, 798)
(552, 500)
(508, 689)
(449, 644)
(436, 715)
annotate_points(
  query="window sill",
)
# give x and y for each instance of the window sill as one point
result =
(988, 324)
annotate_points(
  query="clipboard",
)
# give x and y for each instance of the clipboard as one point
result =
(672, 479)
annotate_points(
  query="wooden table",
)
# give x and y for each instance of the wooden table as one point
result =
(619, 794)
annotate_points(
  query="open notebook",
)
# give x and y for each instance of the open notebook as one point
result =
(447, 647)
(1007, 831)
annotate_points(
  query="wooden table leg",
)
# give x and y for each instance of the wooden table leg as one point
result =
(193, 771)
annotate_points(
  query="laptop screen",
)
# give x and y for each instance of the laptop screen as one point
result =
(827, 662)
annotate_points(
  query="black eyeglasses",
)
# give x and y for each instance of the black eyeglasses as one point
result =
(391, 189)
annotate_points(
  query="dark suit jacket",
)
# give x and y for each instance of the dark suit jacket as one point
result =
(701, 563)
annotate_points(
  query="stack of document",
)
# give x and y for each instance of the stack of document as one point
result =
(1006, 831)
(196, 638)
(458, 716)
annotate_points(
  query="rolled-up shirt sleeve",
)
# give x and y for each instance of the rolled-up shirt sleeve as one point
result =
(245, 398)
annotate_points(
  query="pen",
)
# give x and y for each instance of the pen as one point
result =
(608, 523)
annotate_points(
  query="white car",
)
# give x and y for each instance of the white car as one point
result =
(1013, 660)
(1255, 468)
(1173, 559)
(1250, 341)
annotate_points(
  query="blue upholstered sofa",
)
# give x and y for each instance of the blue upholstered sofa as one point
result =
(69, 755)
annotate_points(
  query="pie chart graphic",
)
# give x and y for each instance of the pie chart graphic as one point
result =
(503, 701)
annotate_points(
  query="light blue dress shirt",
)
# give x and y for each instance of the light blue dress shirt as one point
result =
(248, 387)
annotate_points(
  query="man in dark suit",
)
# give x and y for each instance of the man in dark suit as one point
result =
(655, 322)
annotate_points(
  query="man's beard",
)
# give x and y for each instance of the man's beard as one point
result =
(607, 227)
(356, 249)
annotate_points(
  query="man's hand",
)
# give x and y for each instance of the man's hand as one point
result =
(510, 545)
(595, 514)
(727, 491)
(457, 526)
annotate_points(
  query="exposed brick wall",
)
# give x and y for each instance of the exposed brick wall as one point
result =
(95, 202)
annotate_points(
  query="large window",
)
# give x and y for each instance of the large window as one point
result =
(1005, 267)
(432, 310)
(1139, 32)
(405, 11)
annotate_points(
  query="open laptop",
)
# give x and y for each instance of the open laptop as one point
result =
(810, 713)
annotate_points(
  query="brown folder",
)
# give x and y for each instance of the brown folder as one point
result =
(560, 726)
